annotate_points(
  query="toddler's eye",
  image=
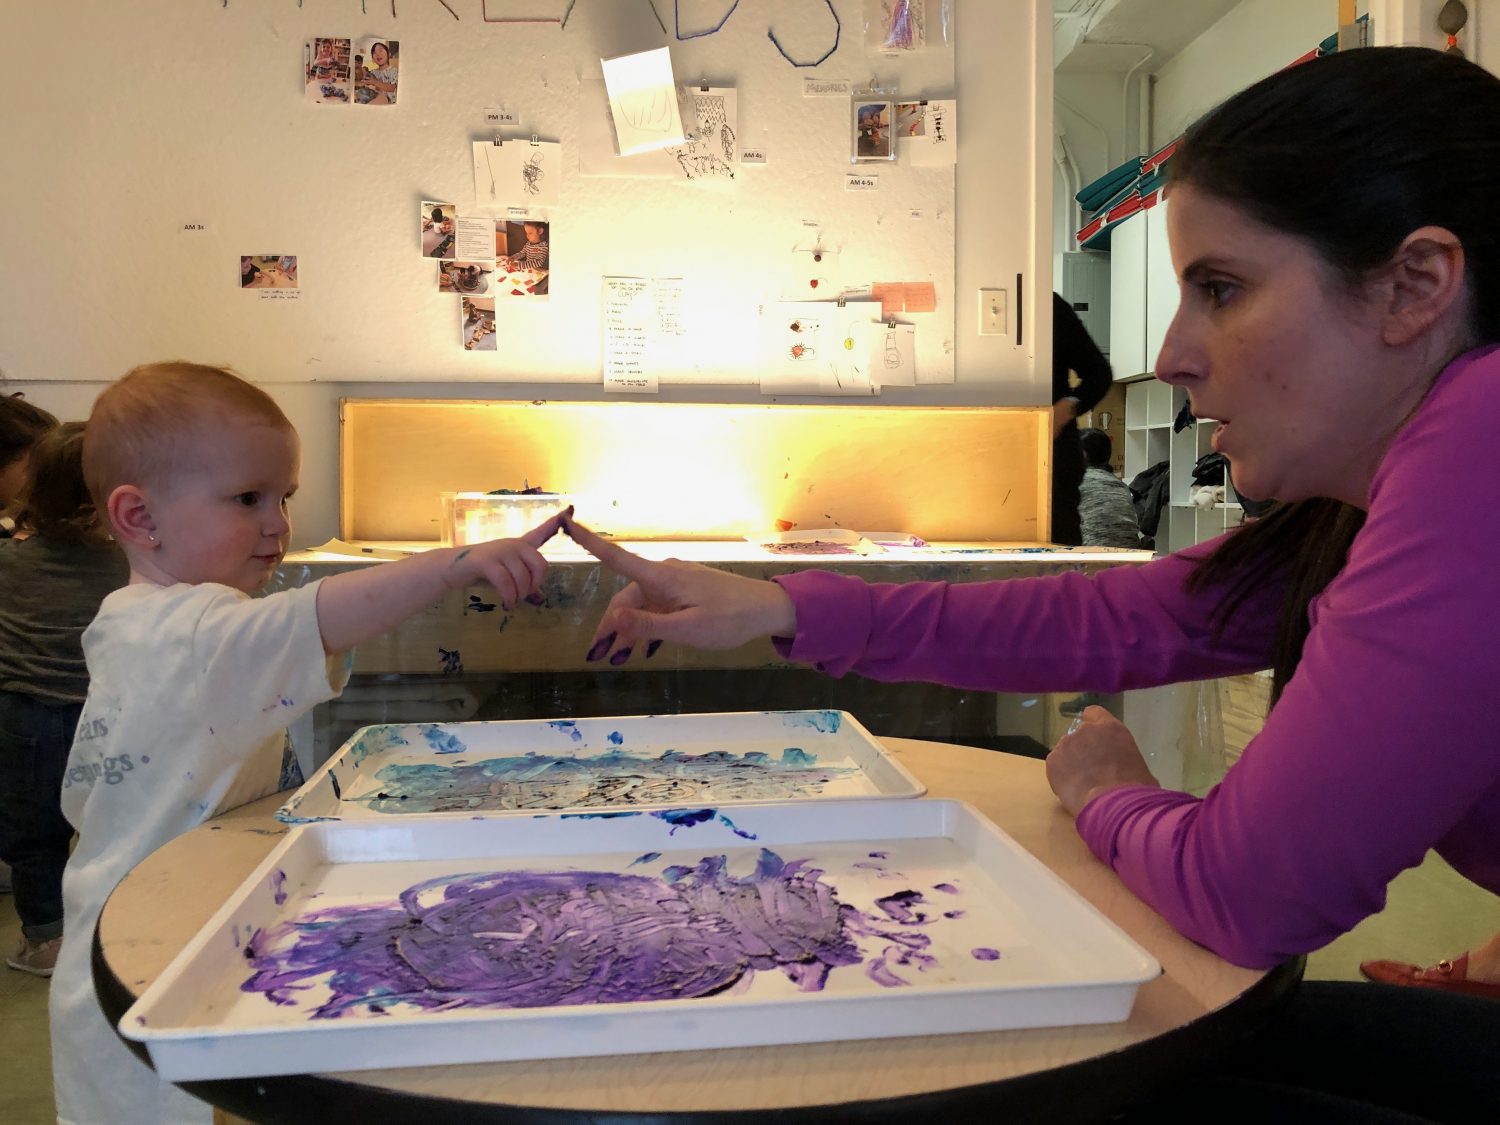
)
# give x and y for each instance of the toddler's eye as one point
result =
(247, 499)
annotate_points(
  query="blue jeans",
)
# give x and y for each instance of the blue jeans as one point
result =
(35, 738)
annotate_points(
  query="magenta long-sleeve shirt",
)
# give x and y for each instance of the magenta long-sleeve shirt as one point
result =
(1385, 743)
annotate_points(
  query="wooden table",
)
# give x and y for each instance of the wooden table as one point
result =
(1199, 1009)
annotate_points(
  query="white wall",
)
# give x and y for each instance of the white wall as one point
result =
(193, 111)
(1254, 39)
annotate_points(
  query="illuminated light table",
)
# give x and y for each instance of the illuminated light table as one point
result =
(1198, 1010)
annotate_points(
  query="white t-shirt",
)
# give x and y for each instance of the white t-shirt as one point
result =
(191, 688)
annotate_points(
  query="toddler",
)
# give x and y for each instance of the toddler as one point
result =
(53, 575)
(192, 682)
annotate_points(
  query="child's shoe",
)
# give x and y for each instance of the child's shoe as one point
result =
(39, 957)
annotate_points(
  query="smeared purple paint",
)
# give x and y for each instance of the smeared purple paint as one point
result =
(880, 855)
(568, 727)
(946, 888)
(901, 906)
(984, 953)
(333, 778)
(526, 939)
(647, 858)
(954, 913)
(278, 886)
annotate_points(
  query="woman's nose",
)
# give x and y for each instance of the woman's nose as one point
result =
(1179, 360)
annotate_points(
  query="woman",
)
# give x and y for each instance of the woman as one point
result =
(1345, 333)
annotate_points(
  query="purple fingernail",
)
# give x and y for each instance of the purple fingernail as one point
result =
(620, 657)
(536, 599)
(652, 647)
(601, 646)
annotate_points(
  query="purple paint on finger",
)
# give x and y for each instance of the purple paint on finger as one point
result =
(601, 646)
(620, 656)
(536, 599)
(984, 953)
(652, 647)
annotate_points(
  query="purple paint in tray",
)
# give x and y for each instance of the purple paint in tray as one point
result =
(446, 940)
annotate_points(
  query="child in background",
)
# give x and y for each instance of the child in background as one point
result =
(193, 683)
(20, 425)
(53, 576)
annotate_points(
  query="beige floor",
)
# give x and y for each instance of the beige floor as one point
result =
(1432, 913)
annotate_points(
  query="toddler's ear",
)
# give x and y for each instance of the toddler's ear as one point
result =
(130, 517)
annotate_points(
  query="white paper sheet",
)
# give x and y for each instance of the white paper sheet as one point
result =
(818, 348)
(629, 314)
(936, 145)
(643, 101)
(893, 355)
(517, 172)
(474, 238)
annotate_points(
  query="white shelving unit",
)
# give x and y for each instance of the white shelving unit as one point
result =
(1150, 408)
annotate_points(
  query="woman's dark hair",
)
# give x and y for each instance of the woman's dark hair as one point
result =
(55, 502)
(1097, 447)
(1397, 138)
(20, 425)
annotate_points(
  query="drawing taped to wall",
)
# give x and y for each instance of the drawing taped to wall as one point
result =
(326, 71)
(436, 224)
(643, 101)
(514, 173)
(377, 71)
(713, 149)
(477, 326)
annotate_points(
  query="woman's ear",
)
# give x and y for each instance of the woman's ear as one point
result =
(130, 517)
(1426, 284)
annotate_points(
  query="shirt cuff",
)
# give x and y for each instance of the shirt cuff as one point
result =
(834, 619)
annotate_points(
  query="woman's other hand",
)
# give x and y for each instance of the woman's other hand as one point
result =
(681, 602)
(1098, 754)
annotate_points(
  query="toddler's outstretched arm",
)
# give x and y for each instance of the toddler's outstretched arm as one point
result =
(360, 604)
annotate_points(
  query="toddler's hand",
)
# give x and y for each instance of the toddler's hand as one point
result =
(682, 602)
(514, 567)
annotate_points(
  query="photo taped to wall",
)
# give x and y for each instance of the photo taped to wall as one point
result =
(326, 70)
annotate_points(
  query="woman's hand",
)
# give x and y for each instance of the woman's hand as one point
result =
(682, 602)
(1099, 754)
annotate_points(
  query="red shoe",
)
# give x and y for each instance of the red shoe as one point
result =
(1450, 976)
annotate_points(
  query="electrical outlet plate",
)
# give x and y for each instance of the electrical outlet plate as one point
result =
(992, 312)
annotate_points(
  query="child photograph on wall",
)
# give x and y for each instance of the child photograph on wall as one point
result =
(437, 229)
(327, 70)
(376, 71)
(523, 257)
(468, 278)
(909, 119)
(268, 271)
(478, 324)
(872, 130)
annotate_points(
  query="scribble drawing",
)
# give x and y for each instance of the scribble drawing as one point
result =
(648, 111)
(892, 352)
(711, 149)
(532, 939)
(532, 174)
(545, 781)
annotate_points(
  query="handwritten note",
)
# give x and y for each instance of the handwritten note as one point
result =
(629, 316)
(826, 88)
(936, 145)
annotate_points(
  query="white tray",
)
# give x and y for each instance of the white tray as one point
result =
(993, 940)
(461, 769)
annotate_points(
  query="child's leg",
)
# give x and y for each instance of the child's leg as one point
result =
(34, 834)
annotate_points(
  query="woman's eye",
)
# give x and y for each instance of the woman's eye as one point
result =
(1219, 292)
(247, 499)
